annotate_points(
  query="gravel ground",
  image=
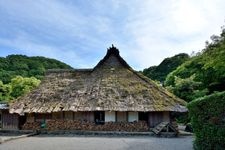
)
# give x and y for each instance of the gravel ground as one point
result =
(99, 143)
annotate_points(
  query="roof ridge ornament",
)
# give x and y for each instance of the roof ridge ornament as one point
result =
(113, 50)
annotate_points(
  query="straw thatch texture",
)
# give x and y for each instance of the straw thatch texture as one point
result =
(111, 86)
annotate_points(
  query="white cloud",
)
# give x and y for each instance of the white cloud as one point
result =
(79, 32)
(171, 28)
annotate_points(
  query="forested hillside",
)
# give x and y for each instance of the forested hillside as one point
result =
(168, 65)
(25, 66)
(202, 74)
(199, 75)
(19, 74)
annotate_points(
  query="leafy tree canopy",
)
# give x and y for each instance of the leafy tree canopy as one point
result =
(5, 91)
(20, 85)
(17, 87)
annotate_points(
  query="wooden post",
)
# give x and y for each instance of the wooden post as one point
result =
(116, 116)
(63, 115)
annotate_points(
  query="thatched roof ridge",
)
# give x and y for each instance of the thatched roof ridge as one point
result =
(111, 86)
(49, 71)
(112, 51)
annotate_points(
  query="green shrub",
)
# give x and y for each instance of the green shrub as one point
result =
(208, 121)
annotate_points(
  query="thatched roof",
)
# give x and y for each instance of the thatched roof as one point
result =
(110, 86)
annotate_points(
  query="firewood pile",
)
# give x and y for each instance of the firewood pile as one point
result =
(91, 126)
(52, 125)
(123, 126)
(31, 126)
(69, 125)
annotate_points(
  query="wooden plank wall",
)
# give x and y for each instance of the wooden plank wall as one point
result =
(30, 117)
(10, 121)
(57, 115)
(89, 116)
(42, 117)
(0, 119)
(155, 118)
(121, 116)
(68, 115)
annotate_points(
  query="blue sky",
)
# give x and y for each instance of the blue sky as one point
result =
(78, 32)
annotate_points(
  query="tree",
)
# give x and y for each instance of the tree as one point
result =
(187, 88)
(207, 119)
(5, 91)
(207, 69)
(21, 86)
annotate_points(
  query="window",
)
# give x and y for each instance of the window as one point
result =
(143, 116)
(99, 117)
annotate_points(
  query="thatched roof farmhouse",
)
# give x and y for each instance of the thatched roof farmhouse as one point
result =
(111, 91)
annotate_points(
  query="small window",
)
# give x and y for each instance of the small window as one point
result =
(99, 117)
(143, 116)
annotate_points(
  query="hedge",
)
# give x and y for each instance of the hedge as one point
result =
(208, 121)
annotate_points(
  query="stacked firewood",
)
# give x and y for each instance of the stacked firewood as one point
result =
(69, 125)
(88, 126)
(91, 126)
(123, 126)
(31, 126)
